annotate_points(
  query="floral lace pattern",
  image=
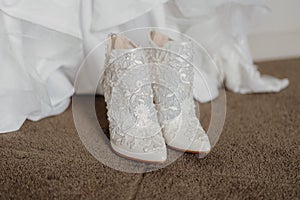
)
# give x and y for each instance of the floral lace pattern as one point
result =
(173, 93)
(133, 79)
(127, 87)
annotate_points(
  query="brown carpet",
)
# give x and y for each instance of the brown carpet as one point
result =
(257, 156)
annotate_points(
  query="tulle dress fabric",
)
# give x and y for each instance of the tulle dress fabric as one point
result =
(43, 43)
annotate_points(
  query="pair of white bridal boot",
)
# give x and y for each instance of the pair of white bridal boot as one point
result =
(149, 96)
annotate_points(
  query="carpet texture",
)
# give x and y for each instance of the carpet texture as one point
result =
(257, 156)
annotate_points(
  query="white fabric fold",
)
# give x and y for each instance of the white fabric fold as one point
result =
(34, 80)
(104, 12)
(222, 26)
(62, 16)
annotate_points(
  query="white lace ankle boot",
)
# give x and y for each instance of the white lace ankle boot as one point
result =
(135, 132)
(175, 104)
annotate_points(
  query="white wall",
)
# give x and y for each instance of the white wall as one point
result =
(278, 35)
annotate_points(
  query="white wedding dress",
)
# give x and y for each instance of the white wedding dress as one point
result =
(43, 43)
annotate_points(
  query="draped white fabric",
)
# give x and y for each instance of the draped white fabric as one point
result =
(42, 44)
